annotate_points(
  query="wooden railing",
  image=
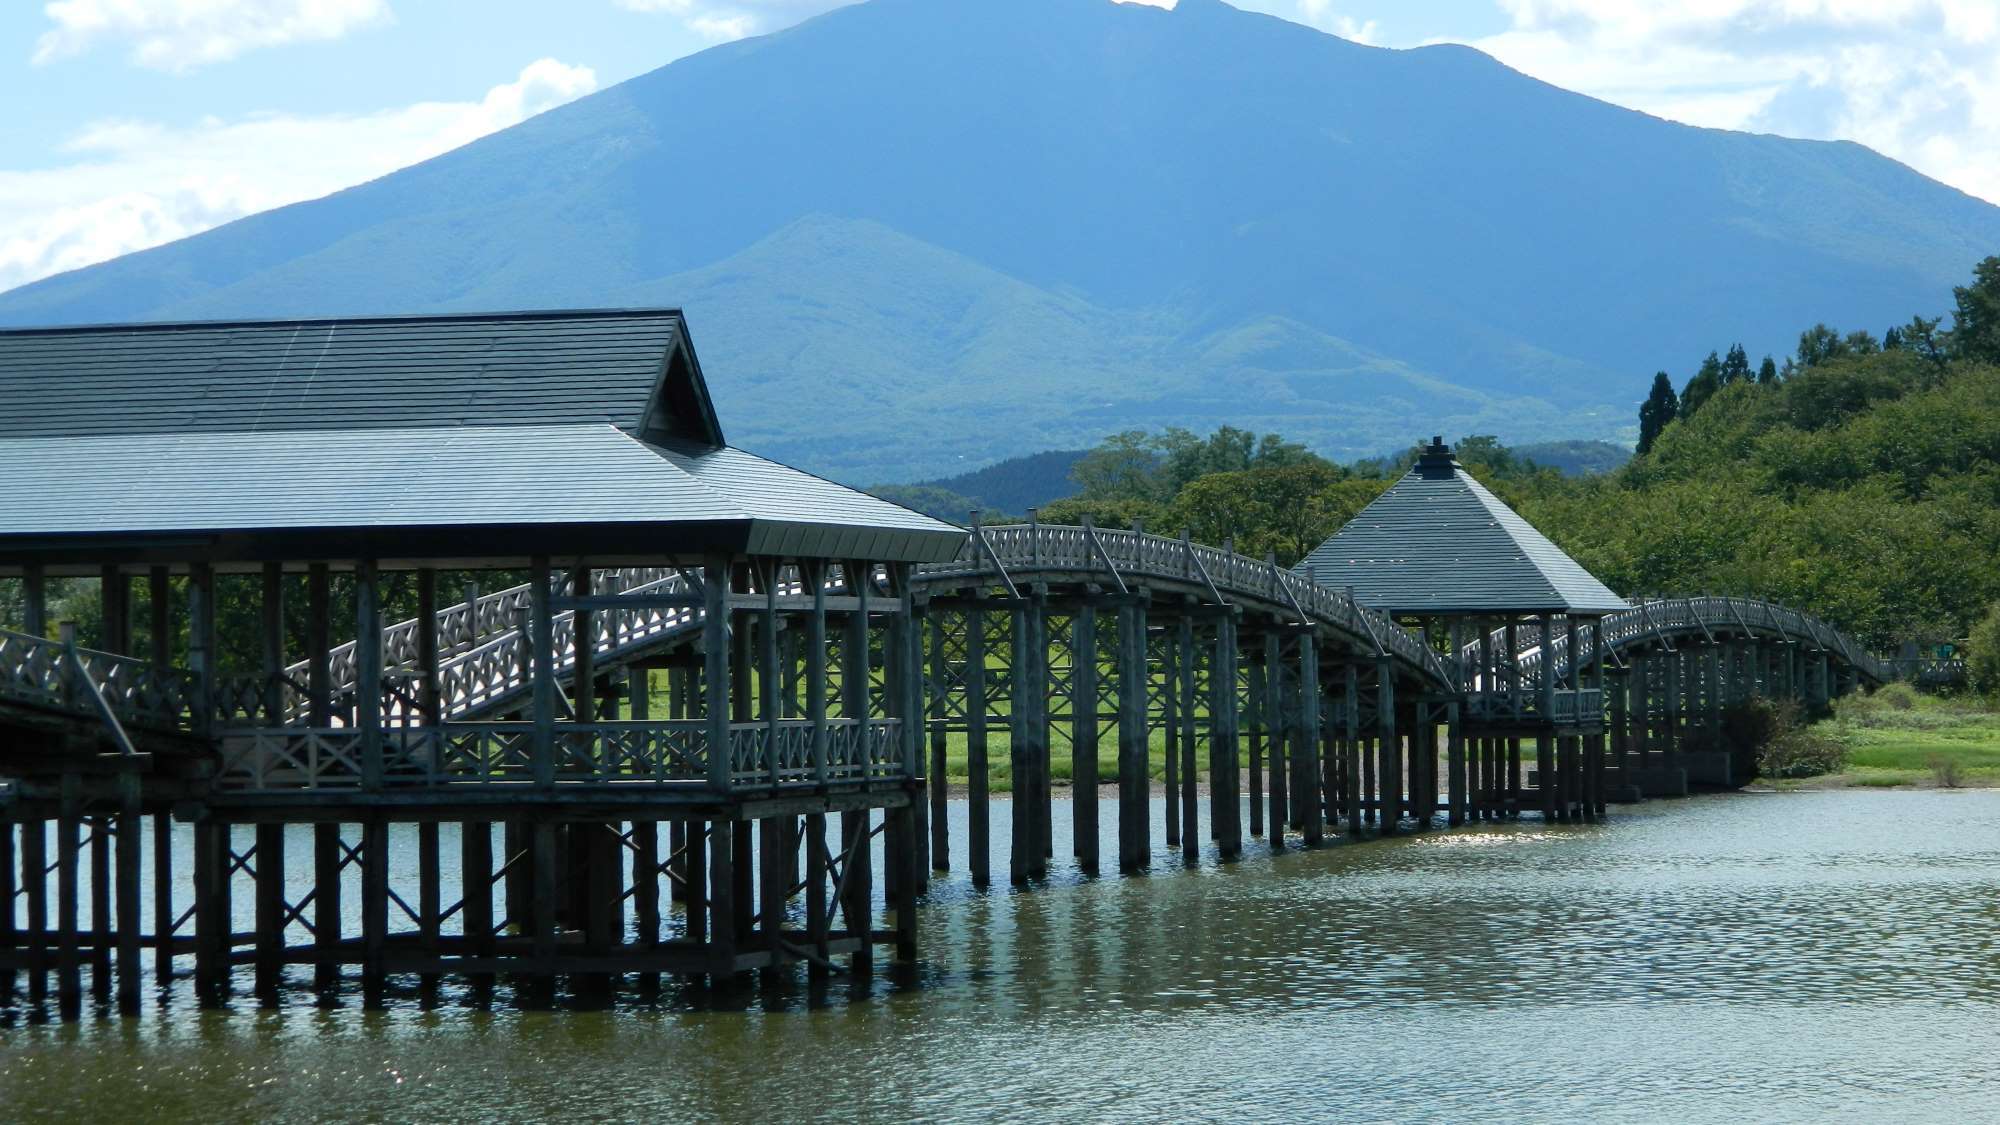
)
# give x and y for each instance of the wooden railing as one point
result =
(790, 754)
(50, 674)
(1681, 617)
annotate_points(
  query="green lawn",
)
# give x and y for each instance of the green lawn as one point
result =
(1897, 737)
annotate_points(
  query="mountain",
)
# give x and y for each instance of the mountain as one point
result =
(916, 234)
(1002, 491)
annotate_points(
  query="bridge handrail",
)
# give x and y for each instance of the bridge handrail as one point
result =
(37, 670)
(1680, 614)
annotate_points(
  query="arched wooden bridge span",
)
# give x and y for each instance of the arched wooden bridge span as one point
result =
(1240, 687)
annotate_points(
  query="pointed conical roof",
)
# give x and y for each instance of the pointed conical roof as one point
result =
(1438, 543)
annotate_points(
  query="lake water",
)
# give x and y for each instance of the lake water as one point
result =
(1811, 957)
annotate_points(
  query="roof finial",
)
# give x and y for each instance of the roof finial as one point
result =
(1436, 461)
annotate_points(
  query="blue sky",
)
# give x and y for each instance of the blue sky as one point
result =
(132, 122)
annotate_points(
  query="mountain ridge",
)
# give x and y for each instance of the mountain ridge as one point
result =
(1125, 216)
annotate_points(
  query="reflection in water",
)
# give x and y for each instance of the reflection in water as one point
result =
(1806, 956)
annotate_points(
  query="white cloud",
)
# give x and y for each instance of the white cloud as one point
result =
(1918, 80)
(724, 20)
(136, 184)
(179, 35)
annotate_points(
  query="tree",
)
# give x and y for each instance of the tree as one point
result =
(1661, 407)
(1982, 652)
(1975, 323)
(1127, 466)
(1735, 366)
(1703, 386)
(1920, 337)
(1767, 372)
(1819, 344)
(1861, 342)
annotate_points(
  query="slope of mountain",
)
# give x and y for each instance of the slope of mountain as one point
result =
(913, 233)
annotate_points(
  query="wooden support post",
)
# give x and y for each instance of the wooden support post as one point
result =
(271, 630)
(159, 617)
(163, 898)
(542, 933)
(1257, 719)
(475, 874)
(69, 847)
(978, 808)
(1190, 799)
(1134, 787)
(1308, 749)
(1351, 788)
(211, 911)
(201, 646)
(903, 898)
(368, 671)
(328, 859)
(939, 711)
(34, 601)
(539, 633)
(645, 836)
(268, 869)
(1389, 758)
(1281, 738)
(1224, 761)
(374, 908)
(1022, 686)
(101, 927)
(858, 905)
(1455, 776)
(1040, 746)
(817, 876)
(115, 611)
(10, 934)
(1084, 702)
(35, 885)
(430, 899)
(773, 887)
(1172, 719)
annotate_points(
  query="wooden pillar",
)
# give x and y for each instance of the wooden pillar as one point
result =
(716, 630)
(1189, 797)
(159, 617)
(475, 872)
(211, 914)
(1173, 717)
(1312, 795)
(101, 929)
(328, 860)
(368, 671)
(1022, 686)
(1257, 721)
(201, 644)
(1389, 771)
(116, 611)
(542, 911)
(10, 934)
(858, 901)
(269, 870)
(35, 885)
(69, 848)
(978, 806)
(1083, 737)
(374, 907)
(163, 898)
(1351, 791)
(1281, 738)
(939, 698)
(1224, 763)
(540, 636)
(430, 900)
(1134, 797)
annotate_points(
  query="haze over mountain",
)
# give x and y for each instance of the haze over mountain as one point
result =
(915, 236)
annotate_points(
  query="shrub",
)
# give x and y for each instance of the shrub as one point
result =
(1944, 771)
(1801, 752)
(1749, 726)
(1898, 696)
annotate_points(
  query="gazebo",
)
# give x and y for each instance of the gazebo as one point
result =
(1447, 558)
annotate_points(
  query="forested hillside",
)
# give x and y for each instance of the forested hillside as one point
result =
(1860, 479)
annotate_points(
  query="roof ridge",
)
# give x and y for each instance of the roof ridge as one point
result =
(506, 316)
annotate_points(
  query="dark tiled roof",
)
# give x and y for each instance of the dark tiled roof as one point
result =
(297, 431)
(1439, 542)
(373, 373)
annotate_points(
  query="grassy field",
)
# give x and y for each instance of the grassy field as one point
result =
(1899, 738)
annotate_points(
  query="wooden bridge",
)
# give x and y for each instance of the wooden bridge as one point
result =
(778, 672)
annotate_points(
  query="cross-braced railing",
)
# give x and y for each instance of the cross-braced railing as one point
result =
(60, 676)
(1651, 618)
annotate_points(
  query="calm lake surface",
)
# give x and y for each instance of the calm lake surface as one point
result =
(1814, 956)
